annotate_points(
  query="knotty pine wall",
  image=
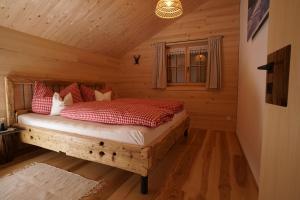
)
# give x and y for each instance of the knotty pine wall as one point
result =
(208, 109)
(24, 54)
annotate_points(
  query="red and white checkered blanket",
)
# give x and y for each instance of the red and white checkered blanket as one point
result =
(124, 112)
(172, 105)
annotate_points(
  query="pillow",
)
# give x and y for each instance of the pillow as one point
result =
(108, 89)
(41, 90)
(41, 105)
(87, 93)
(74, 90)
(42, 98)
(106, 96)
(58, 104)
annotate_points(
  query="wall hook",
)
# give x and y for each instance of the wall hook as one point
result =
(136, 59)
(267, 67)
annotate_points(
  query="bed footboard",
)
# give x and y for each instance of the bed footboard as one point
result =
(132, 158)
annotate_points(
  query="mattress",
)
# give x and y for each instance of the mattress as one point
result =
(139, 135)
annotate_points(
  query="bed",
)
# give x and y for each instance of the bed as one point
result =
(133, 148)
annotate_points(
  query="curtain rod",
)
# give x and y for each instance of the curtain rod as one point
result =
(187, 41)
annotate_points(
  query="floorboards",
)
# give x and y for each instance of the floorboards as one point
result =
(208, 165)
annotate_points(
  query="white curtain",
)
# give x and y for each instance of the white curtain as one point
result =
(214, 65)
(159, 76)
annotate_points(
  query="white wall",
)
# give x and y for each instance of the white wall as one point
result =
(251, 92)
(280, 163)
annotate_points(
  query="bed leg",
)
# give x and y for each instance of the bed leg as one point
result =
(186, 133)
(144, 184)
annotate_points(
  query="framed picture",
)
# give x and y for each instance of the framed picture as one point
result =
(258, 12)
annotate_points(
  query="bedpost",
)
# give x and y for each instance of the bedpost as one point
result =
(144, 184)
(9, 98)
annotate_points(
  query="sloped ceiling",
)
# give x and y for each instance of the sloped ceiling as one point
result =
(110, 27)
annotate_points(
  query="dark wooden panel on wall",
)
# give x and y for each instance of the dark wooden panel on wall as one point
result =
(278, 69)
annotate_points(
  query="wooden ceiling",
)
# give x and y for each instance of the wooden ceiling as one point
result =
(110, 27)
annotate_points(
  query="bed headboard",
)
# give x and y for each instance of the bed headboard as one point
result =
(19, 91)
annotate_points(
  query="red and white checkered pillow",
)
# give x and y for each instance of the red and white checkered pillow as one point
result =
(104, 90)
(42, 105)
(42, 98)
(41, 90)
(87, 93)
(74, 90)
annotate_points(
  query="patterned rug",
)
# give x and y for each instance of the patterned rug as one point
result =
(40, 181)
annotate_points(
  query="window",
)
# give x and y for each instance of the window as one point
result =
(187, 64)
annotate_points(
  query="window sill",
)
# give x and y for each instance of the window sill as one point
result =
(186, 88)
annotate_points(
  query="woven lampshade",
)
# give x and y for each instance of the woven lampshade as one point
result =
(168, 9)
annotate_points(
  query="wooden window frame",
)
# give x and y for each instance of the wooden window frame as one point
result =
(187, 46)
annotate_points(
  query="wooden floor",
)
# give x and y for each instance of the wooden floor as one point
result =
(209, 165)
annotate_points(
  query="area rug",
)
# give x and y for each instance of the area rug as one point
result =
(40, 181)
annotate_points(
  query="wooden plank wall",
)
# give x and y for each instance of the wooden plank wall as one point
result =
(24, 54)
(280, 163)
(208, 109)
(110, 27)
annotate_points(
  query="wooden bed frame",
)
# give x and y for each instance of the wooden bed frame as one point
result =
(134, 158)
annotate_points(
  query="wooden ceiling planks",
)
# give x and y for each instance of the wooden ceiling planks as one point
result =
(110, 27)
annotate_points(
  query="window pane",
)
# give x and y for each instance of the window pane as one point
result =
(195, 74)
(198, 74)
(180, 75)
(168, 60)
(195, 59)
(176, 67)
(199, 58)
(198, 66)
(203, 74)
(171, 75)
(180, 60)
(203, 58)
(172, 60)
